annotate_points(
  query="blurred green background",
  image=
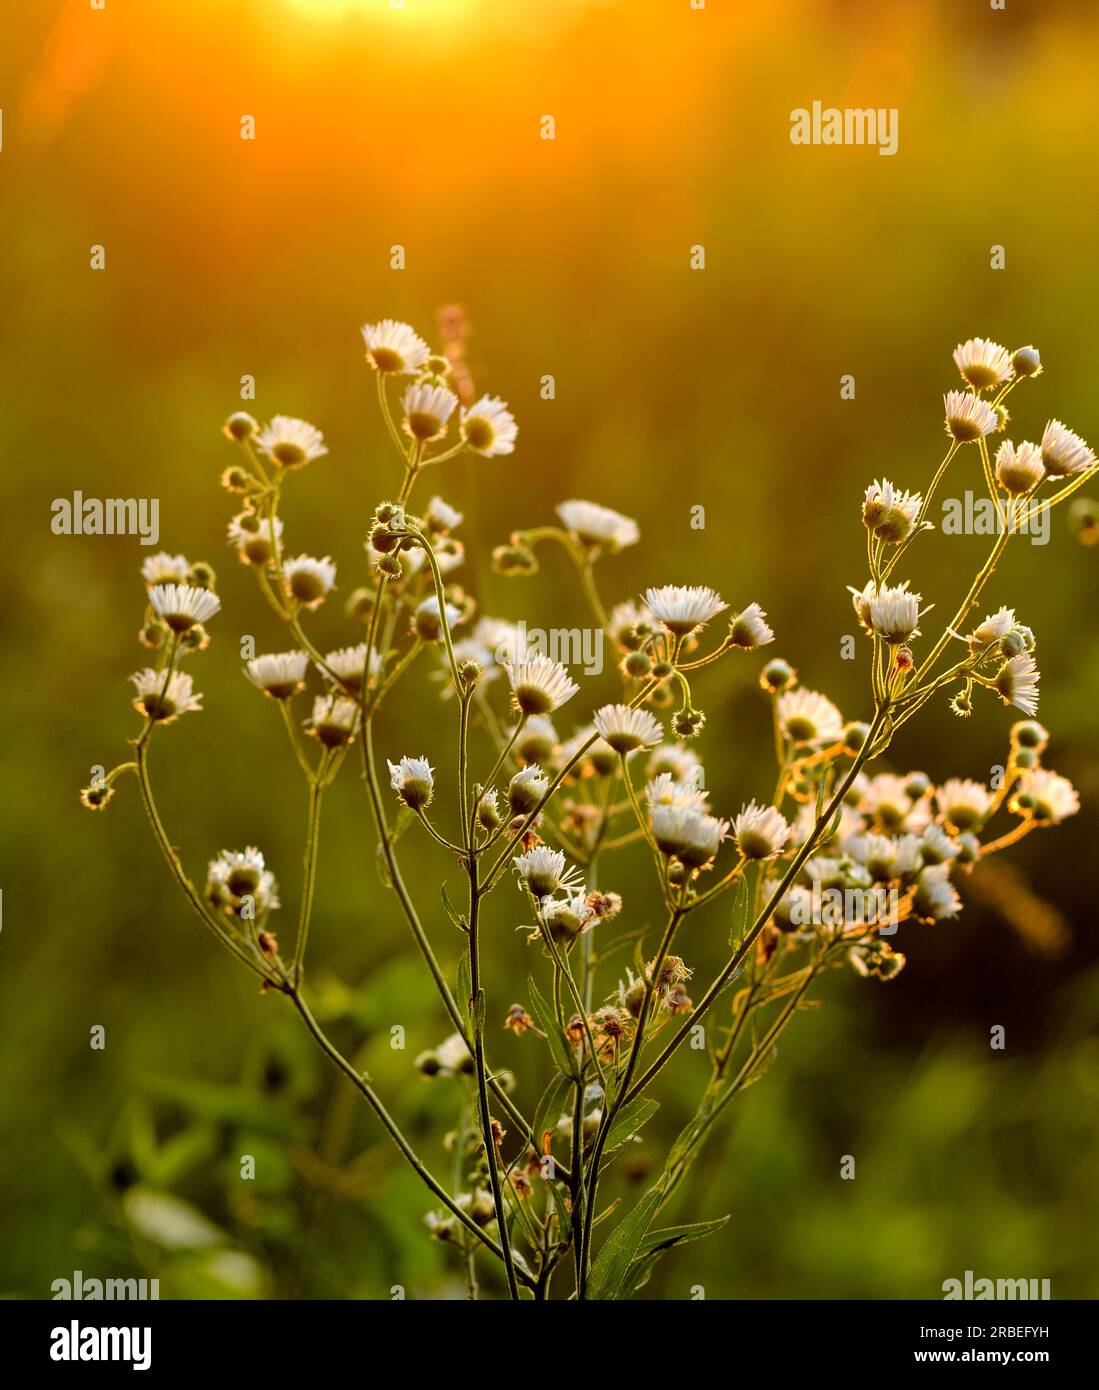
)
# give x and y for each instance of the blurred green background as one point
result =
(674, 388)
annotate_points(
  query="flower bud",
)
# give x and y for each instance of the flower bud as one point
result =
(240, 426)
(514, 559)
(202, 575)
(1026, 361)
(1028, 733)
(637, 664)
(778, 675)
(854, 736)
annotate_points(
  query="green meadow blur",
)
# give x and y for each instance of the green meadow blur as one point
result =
(676, 388)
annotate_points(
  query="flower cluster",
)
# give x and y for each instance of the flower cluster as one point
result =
(822, 868)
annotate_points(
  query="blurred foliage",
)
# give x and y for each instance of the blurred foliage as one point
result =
(674, 388)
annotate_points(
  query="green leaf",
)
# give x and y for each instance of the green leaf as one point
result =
(612, 1266)
(744, 897)
(547, 1019)
(629, 1120)
(657, 1242)
(465, 986)
(451, 911)
(479, 1007)
(551, 1107)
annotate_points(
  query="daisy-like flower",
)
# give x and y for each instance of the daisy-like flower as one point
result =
(441, 516)
(394, 347)
(238, 882)
(1047, 796)
(426, 411)
(1019, 467)
(164, 701)
(598, 758)
(353, 664)
(682, 609)
(683, 763)
(887, 800)
(427, 621)
(624, 623)
(488, 427)
(690, 836)
(526, 790)
(936, 899)
(536, 740)
(454, 1056)
(279, 675)
(488, 810)
(251, 535)
(760, 831)
(963, 803)
(806, 716)
(665, 790)
(413, 779)
(291, 443)
(1064, 452)
(596, 527)
(889, 512)
(876, 853)
(181, 606)
(750, 629)
(1017, 682)
(308, 580)
(994, 628)
(543, 871)
(627, 729)
(334, 721)
(567, 918)
(895, 614)
(983, 363)
(539, 685)
(968, 417)
(163, 568)
(936, 846)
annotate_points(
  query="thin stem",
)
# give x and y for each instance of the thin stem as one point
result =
(482, 1082)
(391, 1127)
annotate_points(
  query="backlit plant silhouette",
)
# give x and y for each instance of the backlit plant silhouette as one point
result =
(814, 876)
